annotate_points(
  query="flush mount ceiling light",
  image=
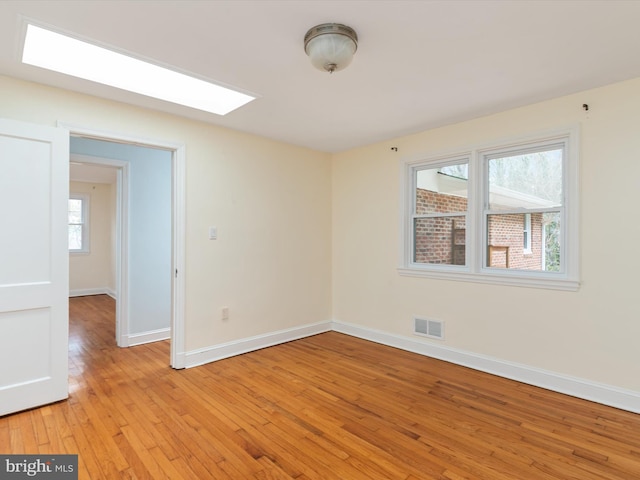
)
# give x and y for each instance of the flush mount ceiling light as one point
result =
(331, 46)
(61, 53)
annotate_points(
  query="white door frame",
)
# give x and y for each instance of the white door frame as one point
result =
(178, 159)
(122, 235)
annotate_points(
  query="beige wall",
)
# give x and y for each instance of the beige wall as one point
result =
(92, 270)
(271, 202)
(592, 333)
(280, 210)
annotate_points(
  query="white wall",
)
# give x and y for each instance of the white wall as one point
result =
(90, 272)
(271, 202)
(590, 334)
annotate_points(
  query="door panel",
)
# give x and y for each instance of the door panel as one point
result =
(34, 188)
(28, 330)
(25, 213)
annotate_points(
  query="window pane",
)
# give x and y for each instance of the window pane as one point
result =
(551, 241)
(440, 240)
(532, 180)
(75, 237)
(75, 210)
(506, 242)
(441, 190)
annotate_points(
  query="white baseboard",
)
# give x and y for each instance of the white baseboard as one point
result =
(148, 337)
(230, 349)
(83, 292)
(577, 387)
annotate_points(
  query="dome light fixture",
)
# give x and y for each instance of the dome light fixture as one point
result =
(330, 46)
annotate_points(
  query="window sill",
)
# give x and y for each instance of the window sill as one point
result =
(498, 278)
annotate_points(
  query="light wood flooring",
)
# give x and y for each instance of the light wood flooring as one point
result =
(325, 407)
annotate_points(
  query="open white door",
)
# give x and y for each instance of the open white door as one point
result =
(34, 265)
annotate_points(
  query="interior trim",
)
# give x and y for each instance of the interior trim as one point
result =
(577, 387)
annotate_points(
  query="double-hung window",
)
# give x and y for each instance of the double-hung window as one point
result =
(439, 215)
(505, 213)
(78, 223)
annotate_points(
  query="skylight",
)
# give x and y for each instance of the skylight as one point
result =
(60, 53)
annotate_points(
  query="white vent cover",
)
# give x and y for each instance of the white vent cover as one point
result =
(428, 328)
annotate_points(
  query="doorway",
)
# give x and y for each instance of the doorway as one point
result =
(149, 249)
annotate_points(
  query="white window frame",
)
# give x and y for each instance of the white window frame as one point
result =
(475, 269)
(455, 160)
(526, 233)
(86, 233)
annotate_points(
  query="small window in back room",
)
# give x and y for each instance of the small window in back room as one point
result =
(78, 223)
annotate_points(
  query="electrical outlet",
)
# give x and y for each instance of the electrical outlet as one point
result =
(225, 313)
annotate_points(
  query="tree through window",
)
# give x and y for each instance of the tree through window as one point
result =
(525, 189)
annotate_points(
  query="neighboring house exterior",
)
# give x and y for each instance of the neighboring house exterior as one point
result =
(515, 241)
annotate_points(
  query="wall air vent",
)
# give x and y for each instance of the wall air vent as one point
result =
(428, 328)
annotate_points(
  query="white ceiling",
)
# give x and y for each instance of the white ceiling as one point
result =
(419, 65)
(85, 172)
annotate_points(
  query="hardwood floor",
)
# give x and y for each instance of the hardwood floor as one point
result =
(325, 407)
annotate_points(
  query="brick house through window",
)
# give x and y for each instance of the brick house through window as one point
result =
(441, 239)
